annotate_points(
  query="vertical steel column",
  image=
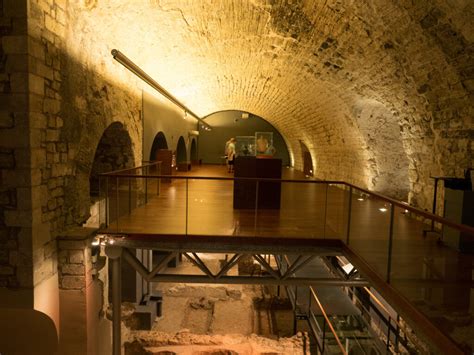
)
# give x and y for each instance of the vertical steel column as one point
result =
(349, 216)
(187, 206)
(397, 334)
(114, 255)
(390, 243)
(388, 333)
(295, 325)
(256, 206)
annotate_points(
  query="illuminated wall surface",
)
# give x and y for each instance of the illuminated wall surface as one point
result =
(381, 93)
(379, 90)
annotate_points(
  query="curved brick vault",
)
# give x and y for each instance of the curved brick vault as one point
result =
(380, 91)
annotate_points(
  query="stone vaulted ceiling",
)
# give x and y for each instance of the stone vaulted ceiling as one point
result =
(380, 91)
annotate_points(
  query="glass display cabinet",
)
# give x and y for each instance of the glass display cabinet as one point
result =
(245, 146)
(264, 144)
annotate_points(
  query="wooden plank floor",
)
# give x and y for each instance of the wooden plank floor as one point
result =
(437, 279)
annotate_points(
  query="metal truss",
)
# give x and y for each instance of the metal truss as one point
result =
(268, 275)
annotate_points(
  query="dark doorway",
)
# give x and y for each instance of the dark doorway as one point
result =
(307, 160)
(181, 156)
(158, 143)
(194, 152)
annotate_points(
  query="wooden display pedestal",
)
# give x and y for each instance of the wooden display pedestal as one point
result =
(269, 193)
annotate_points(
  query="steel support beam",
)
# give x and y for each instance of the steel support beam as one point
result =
(114, 253)
(230, 264)
(267, 267)
(257, 280)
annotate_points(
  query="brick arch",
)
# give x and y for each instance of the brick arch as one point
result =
(114, 151)
(89, 163)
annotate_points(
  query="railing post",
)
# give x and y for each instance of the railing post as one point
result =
(129, 195)
(390, 242)
(117, 202)
(256, 206)
(324, 333)
(106, 201)
(187, 206)
(325, 210)
(349, 216)
(146, 186)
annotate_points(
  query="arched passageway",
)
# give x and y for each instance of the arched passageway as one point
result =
(181, 156)
(307, 160)
(158, 143)
(194, 152)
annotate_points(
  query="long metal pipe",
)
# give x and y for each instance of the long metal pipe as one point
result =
(259, 280)
(135, 69)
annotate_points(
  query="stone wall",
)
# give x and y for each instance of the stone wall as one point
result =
(72, 107)
(15, 175)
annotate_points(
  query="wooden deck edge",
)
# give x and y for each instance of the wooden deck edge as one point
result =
(217, 244)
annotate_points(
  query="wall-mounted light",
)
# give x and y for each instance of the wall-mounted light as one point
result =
(185, 116)
(383, 209)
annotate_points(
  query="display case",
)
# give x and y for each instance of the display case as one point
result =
(245, 146)
(264, 144)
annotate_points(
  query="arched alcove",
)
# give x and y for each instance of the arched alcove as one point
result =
(181, 156)
(194, 152)
(114, 152)
(234, 123)
(307, 160)
(158, 143)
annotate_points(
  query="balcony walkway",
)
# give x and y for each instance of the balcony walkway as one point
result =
(435, 279)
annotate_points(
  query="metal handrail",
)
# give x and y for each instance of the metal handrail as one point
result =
(315, 297)
(116, 173)
(460, 227)
(343, 350)
(431, 216)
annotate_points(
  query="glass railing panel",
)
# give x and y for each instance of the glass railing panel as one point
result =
(302, 211)
(370, 229)
(435, 276)
(337, 211)
(210, 208)
(118, 202)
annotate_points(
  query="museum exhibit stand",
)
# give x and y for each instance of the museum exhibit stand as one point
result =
(458, 207)
(245, 192)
